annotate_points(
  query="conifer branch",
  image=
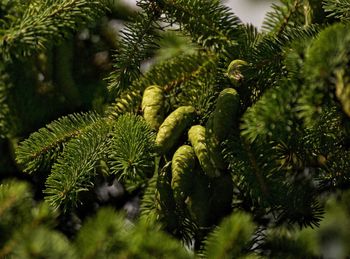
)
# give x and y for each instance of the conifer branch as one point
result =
(337, 9)
(137, 44)
(208, 22)
(12, 195)
(44, 21)
(288, 16)
(257, 171)
(43, 145)
(283, 16)
(74, 169)
(231, 238)
(132, 149)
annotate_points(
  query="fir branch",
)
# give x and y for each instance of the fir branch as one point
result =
(16, 212)
(149, 213)
(265, 191)
(138, 42)
(161, 245)
(208, 22)
(273, 116)
(42, 146)
(325, 61)
(337, 9)
(74, 169)
(100, 235)
(25, 225)
(283, 242)
(249, 40)
(44, 21)
(231, 238)
(300, 205)
(289, 14)
(264, 70)
(254, 169)
(132, 148)
(10, 10)
(13, 194)
(266, 62)
(107, 235)
(41, 242)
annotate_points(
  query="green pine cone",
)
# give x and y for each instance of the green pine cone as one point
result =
(173, 127)
(153, 106)
(127, 102)
(225, 114)
(196, 135)
(221, 123)
(213, 146)
(183, 163)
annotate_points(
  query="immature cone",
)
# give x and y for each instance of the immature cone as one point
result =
(196, 135)
(225, 114)
(213, 146)
(173, 127)
(234, 70)
(182, 165)
(153, 106)
(222, 121)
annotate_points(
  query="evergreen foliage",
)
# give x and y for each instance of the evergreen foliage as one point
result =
(44, 145)
(234, 143)
(132, 149)
(44, 21)
(232, 235)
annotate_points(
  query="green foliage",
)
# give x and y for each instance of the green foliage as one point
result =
(137, 44)
(325, 59)
(102, 235)
(26, 225)
(263, 120)
(208, 22)
(75, 167)
(132, 149)
(45, 144)
(231, 238)
(337, 9)
(275, 105)
(108, 234)
(287, 14)
(42, 242)
(45, 21)
(312, 243)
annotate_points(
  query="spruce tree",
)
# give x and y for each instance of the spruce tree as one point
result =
(233, 143)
